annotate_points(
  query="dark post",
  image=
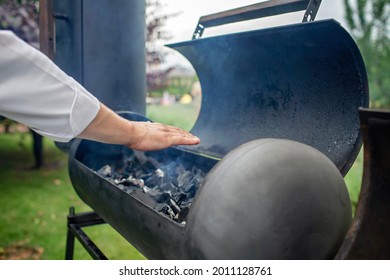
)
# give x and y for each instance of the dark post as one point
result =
(37, 149)
(46, 28)
(101, 43)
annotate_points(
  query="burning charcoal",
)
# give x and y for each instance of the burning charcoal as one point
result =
(167, 186)
(147, 164)
(105, 171)
(182, 215)
(159, 207)
(159, 173)
(168, 210)
(174, 206)
(164, 197)
(156, 178)
(179, 197)
(119, 181)
(155, 193)
(136, 182)
(191, 191)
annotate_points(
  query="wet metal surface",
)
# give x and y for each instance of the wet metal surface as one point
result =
(303, 82)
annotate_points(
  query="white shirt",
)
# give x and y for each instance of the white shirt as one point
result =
(36, 92)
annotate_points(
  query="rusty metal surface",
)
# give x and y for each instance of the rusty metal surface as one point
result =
(369, 234)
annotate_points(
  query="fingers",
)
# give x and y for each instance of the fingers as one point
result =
(156, 136)
(184, 139)
(171, 135)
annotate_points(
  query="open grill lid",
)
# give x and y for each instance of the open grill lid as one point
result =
(303, 82)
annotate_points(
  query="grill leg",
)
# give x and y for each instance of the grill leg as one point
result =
(69, 238)
(75, 224)
(69, 245)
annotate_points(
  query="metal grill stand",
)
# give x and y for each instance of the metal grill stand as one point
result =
(76, 222)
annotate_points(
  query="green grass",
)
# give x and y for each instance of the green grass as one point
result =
(35, 203)
(180, 115)
(354, 179)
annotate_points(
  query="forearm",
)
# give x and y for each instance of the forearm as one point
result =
(108, 127)
(34, 91)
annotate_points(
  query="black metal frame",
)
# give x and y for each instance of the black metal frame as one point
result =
(75, 224)
(259, 10)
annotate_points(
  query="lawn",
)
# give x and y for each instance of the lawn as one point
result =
(180, 115)
(35, 203)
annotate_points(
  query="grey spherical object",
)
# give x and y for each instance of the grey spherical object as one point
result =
(270, 199)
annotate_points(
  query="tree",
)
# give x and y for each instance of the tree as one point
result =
(22, 18)
(155, 32)
(368, 21)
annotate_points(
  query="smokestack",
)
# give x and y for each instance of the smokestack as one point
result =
(101, 43)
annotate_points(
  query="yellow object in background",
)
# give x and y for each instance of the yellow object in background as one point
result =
(186, 99)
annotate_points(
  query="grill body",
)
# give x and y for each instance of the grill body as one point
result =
(302, 83)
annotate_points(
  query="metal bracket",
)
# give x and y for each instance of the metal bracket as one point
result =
(61, 17)
(75, 224)
(198, 31)
(258, 10)
(311, 10)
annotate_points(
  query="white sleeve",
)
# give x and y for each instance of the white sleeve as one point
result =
(36, 92)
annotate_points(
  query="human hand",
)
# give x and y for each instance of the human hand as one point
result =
(149, 136)
(109, 127)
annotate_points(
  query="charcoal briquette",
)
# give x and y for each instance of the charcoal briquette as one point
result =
(169, 185)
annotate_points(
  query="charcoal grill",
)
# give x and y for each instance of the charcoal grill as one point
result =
(302, 83)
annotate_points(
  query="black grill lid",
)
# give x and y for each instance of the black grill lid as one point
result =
(303, 82)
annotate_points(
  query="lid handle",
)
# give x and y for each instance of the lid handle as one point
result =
(259, 10)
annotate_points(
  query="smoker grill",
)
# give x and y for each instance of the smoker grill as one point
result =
(294, 90)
